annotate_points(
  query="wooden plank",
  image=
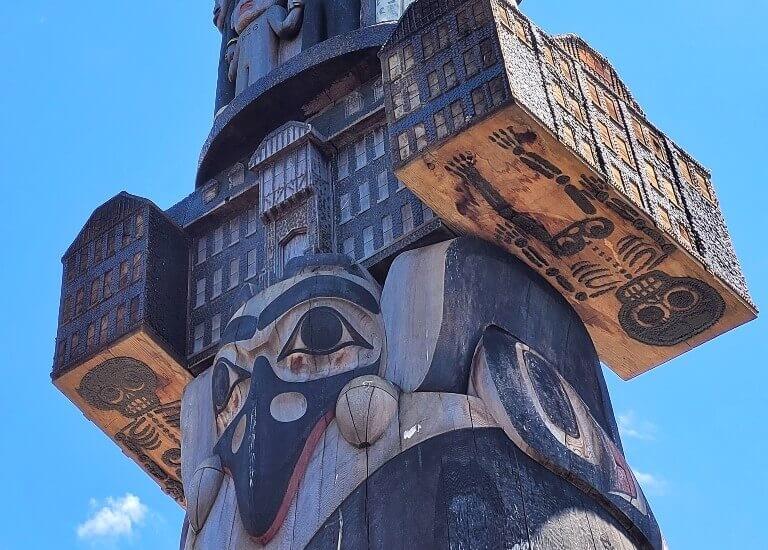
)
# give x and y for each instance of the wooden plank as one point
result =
(644, 298)
(132, 391)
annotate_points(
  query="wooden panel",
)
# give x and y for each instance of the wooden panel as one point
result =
(644, 299)
(132, 390)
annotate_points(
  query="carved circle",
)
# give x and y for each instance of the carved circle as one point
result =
(288, 407)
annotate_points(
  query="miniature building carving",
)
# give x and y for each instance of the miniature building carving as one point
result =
(536, 143)
(323, 276)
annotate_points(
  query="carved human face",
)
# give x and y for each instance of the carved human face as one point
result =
(287, 353)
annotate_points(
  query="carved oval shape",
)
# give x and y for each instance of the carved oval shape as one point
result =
(288, 407)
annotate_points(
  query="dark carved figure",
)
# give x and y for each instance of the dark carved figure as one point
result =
(325, 19)
(661, 310)
(339, 416)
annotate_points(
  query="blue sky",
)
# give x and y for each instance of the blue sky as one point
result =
(97, 99)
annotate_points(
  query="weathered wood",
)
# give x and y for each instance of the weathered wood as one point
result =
(655, 300)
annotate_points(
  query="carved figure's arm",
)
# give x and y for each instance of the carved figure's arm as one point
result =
(288, 26)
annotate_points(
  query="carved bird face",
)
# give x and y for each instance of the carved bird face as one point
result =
(286, 355)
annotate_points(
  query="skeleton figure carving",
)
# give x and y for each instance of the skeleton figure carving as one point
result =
(333, 407)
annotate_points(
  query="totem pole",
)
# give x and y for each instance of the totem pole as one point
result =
(379, 321)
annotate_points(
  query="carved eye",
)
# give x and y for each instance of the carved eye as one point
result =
(322, 331)
(226, 377)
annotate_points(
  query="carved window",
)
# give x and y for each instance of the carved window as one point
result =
(398, 106)
(634, 193)
(623, 149)
(382, 186)
(575, 107)
(441, 128)
(685, 236)
(568, 136)
(349, 248)
(202, 246)
(664, 219)
(521, 31)
(557, 91)
(79, 298)
(421, 136)
(218, 240)
(428, 44)
(139, 225)
(361, 154)
(126, 235)
(71, 268)
(414, 101)
(443, 35)
(378, 90)
(253, 217)
(209, 194)
(75, 343)
(234, 273)
(134, 309)
(403, 146)
(368, 246)
(234, 230)
(478, 14)
(618, 179)
(66, 310)
(386, 229)
(295, 247)
(669, 189)
(84, 258)
(406, 213)
(343, 163)
(379, 145)
(471, 68)
(605, 135)
(704, 185)
(640, 132)
(121, 320)
(364, 191)
(433, 82)
(91, 337)
(200, 292)
(685, 172)
(408, 60)
(612, 108)
(478, 101)
(111, 244)
(658, 147)
(463, 22)
(137, 267)
(285, 177)
(345, 208)
(125, 274)
(488, 52)
(650, 174)
(98, 251)
(549, 57)
(252, 264)
(216, 328)
(586, 150)
(95, 288)
(449, 72)
(217, 283)
(498, 91)
(394, 68)
(593, 92)
(104, 329)
(565, 68)
(61, 350)
(354, 103)
(457, 114)
(199, 338)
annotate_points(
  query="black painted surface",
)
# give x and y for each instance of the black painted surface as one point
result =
(471, 489)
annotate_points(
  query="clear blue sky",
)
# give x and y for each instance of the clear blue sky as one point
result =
(99, 97)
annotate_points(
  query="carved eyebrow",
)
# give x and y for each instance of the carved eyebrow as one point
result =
(321, 286)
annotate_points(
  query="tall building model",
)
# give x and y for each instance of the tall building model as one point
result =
(368, 130)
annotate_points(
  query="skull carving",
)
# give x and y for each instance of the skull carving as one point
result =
(661, 310)
(123, 385)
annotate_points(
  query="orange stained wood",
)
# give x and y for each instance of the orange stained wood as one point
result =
(644, 298)
(153, 438)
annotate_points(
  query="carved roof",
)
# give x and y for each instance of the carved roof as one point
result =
(280, 139)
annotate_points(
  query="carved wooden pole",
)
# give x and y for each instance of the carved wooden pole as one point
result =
(225, 88)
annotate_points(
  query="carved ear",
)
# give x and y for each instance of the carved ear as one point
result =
(205, 485)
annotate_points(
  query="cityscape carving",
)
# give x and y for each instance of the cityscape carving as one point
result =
(417, 231)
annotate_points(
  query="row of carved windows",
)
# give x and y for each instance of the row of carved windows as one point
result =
(125, 315)
(198, 337)
(232, 229)
(234, 276)
(359, 154)
(102, 288)
(104, 246)
(364, 196)
(349, 246)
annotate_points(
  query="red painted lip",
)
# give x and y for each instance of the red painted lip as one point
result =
(298, 474)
